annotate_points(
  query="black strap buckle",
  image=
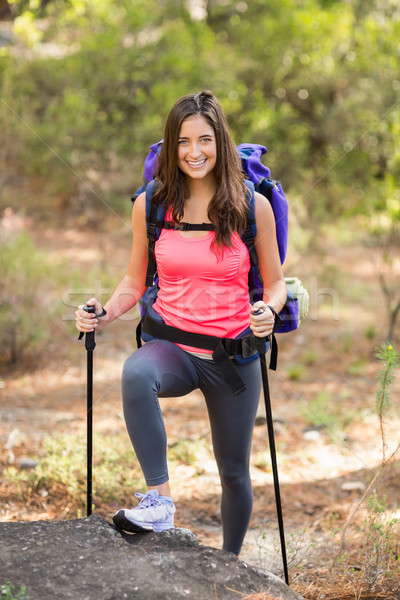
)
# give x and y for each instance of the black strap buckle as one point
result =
(248, 345)
(182, 226)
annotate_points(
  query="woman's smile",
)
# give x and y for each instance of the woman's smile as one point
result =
(196, 164)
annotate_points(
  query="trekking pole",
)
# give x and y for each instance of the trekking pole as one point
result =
(272, 448)
(90, 346)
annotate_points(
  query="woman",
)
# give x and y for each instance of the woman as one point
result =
(203, 280)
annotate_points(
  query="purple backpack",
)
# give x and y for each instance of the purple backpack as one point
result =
(257, 178)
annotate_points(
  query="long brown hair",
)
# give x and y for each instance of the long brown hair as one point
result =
(227, 209)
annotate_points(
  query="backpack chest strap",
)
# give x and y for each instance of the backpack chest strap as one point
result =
(186, 226)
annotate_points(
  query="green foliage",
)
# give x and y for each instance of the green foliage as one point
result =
(8, 591)
(27, 278)
(88, 85)
(38, 296)
(81, 117)
(390, 361)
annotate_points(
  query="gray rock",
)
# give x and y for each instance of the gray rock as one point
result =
(27, 463)
(90, 559)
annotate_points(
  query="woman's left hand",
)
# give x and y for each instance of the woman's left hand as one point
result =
(262, 324)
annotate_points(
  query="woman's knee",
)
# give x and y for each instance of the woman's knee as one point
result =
(137, 377)
(235, 477)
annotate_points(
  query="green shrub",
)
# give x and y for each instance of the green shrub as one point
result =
(26, 304)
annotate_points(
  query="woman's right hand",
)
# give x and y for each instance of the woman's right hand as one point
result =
(85, 321)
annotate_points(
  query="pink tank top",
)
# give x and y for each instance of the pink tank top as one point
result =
(199, 291)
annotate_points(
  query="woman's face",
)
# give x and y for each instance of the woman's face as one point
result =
(197, 147)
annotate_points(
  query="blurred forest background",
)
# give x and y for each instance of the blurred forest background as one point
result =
(85, 86)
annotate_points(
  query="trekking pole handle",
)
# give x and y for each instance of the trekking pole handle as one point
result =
(89, 308)
(257, 312)
(90, 343)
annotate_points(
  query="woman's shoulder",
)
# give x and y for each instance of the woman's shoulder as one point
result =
(263, 210)
(139, 210)
(261, 202)
(140, 201)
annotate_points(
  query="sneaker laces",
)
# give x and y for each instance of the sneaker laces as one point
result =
(148, 500)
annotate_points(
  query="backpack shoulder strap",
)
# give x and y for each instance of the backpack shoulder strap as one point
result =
(250, 232)
(154, 214)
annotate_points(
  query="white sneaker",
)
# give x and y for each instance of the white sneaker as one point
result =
(153, 513)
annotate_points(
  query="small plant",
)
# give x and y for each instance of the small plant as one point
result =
(376, 568)
(9, 592)
(390, 360)
(296, 372)
(298, 547)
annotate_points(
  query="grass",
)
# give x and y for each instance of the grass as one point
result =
(324, 411)
(61, 469)
(9, 592)
(190, 451)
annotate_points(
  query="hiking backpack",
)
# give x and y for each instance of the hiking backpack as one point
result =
(257, 179)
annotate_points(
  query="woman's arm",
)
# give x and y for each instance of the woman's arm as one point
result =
(275, 291)
(132, 286)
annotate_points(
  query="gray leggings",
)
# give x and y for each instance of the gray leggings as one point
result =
(162, 369)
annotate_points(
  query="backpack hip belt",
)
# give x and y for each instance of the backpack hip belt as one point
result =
(223, 348)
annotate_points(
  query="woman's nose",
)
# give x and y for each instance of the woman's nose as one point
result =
(194, 150)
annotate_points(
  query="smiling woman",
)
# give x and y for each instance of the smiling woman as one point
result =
(197, 149)
(203, 293)
(219, 197)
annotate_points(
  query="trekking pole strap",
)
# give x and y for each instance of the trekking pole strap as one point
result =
(90, 343)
